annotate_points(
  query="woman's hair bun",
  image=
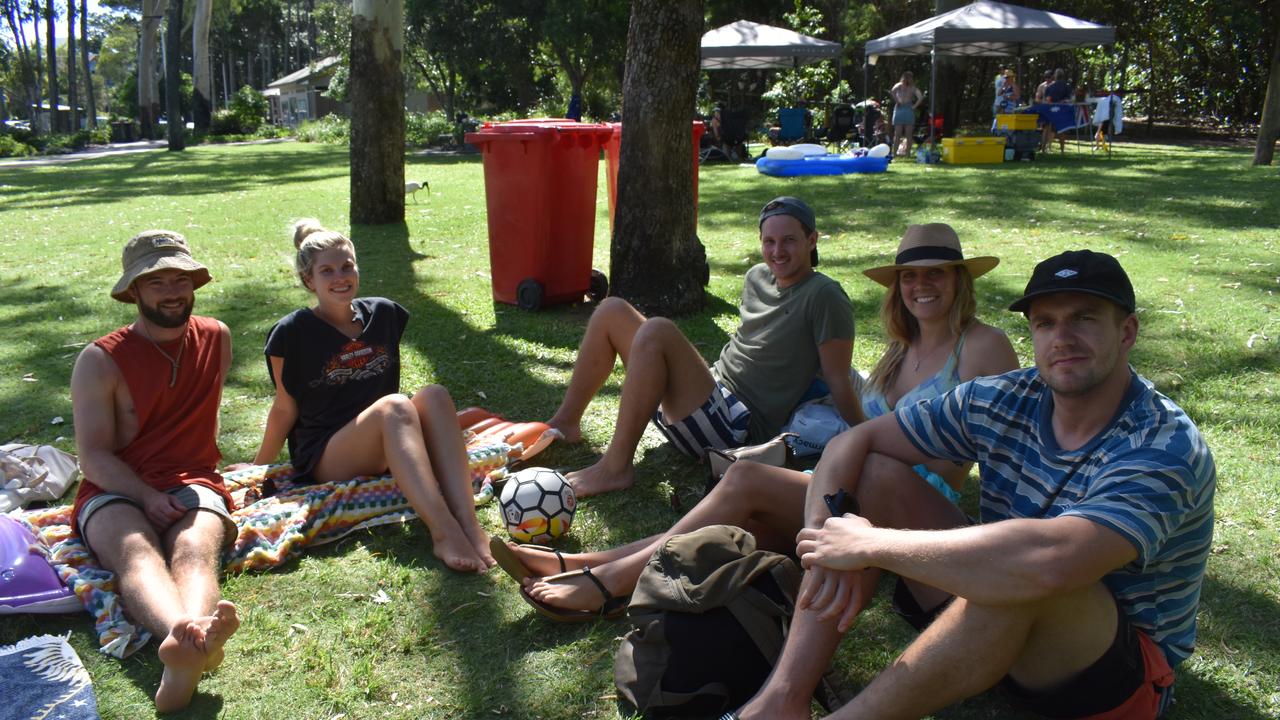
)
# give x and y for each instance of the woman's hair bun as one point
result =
(304, 227)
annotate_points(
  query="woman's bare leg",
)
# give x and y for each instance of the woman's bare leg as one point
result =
(448, 456)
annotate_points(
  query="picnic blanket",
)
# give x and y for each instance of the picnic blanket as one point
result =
(42, 677)
(271, 530)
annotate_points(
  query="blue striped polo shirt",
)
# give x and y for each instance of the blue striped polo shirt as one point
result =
(1148, 475)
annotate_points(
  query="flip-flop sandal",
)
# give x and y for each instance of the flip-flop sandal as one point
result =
(611, 609)
(510, 562)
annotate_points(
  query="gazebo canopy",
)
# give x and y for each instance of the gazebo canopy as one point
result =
(745, 45)
(992, 28)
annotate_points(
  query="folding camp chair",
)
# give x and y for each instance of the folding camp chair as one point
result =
(733, 139)
(842, 123)
(1107, 118)
(792, 126)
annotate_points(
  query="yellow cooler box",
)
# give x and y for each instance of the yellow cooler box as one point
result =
(1020, 121)
(972, 150)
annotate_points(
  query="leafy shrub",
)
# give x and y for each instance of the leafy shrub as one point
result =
(267, 131)
(250, 107)
(11, 147)
(100, 135)
(225, 122)
(422, 129)
(328, 129)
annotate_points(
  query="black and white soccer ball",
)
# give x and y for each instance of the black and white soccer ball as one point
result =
(537, 505)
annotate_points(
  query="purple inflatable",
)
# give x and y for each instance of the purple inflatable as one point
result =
(28, 583)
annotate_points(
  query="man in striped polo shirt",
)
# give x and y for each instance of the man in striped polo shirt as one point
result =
(1077, 590)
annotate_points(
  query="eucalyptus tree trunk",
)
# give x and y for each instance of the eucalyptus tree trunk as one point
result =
(376, 92)
(1269, 128)
(202, 74)
(173, 76)
(55, 123)
(148, 86)
(84, 57)
(72, 99)
(656, 260)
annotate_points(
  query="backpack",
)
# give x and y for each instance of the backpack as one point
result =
(710, 614)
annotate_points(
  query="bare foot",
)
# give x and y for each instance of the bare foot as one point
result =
(479, 543)
(456, 552)
(542, 563)
(183, 663)
(574, 593)
(572, 431)
(598, 479)
(224, 623)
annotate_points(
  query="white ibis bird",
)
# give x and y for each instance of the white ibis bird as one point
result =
(412, 188)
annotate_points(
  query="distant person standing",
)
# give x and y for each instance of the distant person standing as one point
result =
(1057, 92)
(906, 98)
(1048, 80)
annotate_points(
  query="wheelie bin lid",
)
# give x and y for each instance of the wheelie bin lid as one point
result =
(541, 128)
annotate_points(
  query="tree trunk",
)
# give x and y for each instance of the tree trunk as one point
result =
(55, 122)
(376, 92)
(84, 62)
(148, 87)
(173, 75)
(656, 260)
(1269, 128)
(73, 99)
(202, 74)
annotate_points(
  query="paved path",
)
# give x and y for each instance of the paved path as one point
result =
(98, 151)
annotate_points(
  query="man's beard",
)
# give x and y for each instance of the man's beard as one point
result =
(158, 317)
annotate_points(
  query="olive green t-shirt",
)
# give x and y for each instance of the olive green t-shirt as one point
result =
(773, 357)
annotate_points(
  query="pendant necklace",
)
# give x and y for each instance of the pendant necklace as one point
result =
(174, 362)
(920, 359)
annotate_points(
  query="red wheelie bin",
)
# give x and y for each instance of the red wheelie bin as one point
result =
(613, 149)
(540, 194)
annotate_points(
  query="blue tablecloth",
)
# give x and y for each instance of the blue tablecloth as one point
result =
(1063, 116)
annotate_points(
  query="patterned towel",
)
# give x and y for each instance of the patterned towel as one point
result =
(270, 531)
(42, 677)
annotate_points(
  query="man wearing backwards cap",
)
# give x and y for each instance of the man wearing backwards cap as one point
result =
(795, 323)
(152, 506)
(1078, 590)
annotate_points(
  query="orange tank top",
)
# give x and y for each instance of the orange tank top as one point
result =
(176, 443)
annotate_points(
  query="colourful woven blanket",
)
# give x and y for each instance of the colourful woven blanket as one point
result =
(270, 531)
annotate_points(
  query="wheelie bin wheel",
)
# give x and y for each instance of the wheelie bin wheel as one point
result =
(529, 294)
(599, 287)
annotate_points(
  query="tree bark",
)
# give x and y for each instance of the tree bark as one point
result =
(656, 260)
(84, 58)
(72, 96)
(148, 87)
(1269, 127)
(202, 73)
(55, 122)
(173, 75)
(376, 92)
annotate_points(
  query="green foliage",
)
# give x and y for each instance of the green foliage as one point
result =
(338, 83)
(330, 129)
(422, 129)
(12, 147)
(814, 82)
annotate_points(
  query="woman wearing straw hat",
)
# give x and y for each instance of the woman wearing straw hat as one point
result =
(935, 343)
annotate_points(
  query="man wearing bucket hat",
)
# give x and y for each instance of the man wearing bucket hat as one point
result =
(152, 506)
(1077, 592)
(795, 323)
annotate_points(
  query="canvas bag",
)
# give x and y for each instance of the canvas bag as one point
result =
(775, 452)
(709, 614)
(34, 473)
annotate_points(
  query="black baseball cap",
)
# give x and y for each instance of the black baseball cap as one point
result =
(796, 208)
(1083, 271)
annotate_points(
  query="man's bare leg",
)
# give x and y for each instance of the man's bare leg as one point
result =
(124, 542)
(970, 647)
(609, 333)
(890, 494)
(194, 545)
(665, 369)
(389, 434)
(766, 500)
(448, 456)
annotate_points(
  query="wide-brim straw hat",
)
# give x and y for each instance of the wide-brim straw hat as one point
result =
(153, 250)
(930, 245)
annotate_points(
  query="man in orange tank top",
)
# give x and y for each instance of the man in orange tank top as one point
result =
(152, 507)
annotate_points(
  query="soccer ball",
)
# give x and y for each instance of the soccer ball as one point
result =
(537, 505)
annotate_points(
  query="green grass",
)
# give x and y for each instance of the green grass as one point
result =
(1196, 229)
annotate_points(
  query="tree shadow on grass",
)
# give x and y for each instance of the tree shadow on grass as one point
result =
(208, 170)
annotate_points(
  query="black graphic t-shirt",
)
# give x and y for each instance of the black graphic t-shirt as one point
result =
(332, 377)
